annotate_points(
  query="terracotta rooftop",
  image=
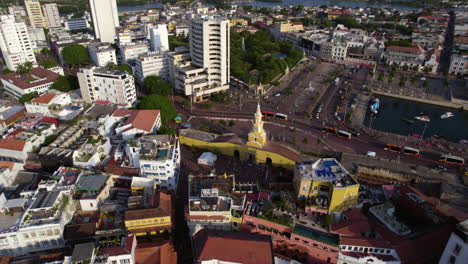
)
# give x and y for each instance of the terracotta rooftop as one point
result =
(130, 240)
(232, 247)
(44, 99)
(7, 164)
(162, 252)
(415, 49)
(12, 144)
(364, 242)
(163, 208)
(140, 119)
(45, 76)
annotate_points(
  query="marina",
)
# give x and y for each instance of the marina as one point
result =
(418, 119)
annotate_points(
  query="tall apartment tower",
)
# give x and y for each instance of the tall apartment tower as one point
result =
(209, 48)
(36, 18)
(105, 19)
(15, 43)
(159, 38)
(103, 84)
(52, 15)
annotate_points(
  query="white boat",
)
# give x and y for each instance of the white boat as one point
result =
(423, 118)
(446, 115)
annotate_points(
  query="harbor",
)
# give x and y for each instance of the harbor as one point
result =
(408, 118)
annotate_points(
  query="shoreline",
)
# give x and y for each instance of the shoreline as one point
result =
(425, 101)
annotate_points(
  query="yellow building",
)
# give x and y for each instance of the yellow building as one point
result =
(287, 27)
(151, 221)
(238, 22)
(326, 185)
(257, 149)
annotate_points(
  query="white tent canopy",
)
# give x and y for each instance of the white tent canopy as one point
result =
(207, 158)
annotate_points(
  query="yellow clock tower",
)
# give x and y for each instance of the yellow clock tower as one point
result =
(257, 137)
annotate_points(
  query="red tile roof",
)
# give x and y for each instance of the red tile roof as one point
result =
(140, 119)
(44, 99)
(233, 247)
(364, 242)
(45, 76)
(130, 240)
(162, 208)
(415, 49)
(7, 164)
(162, 252)
(12, 144)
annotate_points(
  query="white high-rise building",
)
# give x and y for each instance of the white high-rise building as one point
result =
(15, 42)
(102, 54)
(19, 12)
(103, 84)
(159, 38)
(36, 18)
(456, 250)
(105, 19)
(152, 63)
(52, 15)
(208, 72)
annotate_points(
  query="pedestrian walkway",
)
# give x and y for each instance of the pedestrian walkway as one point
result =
(359, 113)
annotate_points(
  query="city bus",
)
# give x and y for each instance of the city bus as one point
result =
(281, 116)
(393, 148)
(449, 159)
(343, 134)
(410, 151)
(329, 130)
(268, 114)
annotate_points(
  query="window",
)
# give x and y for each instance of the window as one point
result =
(452, 260)
(457, 249)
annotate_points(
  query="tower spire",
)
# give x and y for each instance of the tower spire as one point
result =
(257, 137)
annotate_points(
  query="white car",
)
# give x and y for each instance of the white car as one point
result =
(371, 154)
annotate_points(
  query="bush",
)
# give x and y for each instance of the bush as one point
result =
(66, 83)
(158, 102)
(231, 123)
(222, 122)
(28, 97)
(207, 105)
(75, 55)
(157, 85)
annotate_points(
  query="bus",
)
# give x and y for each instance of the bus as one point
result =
(344, 134)
(329, 130)
(268, 114)
(281, 116)
(449, 159)
(410, 151)
(393, 148)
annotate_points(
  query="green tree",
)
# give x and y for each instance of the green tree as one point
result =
(24, 68)
(156, 85)
(45, 51)
(28, 97)
(122, 67)
(48, 63)
(75, 55)
(159, 102)
(65, 83)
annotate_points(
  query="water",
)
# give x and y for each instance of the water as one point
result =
(351, 4)
(393, 111)
(285, 3)
(139, 7)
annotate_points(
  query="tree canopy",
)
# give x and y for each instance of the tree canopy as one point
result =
(348, 21)
(75, 55)
(159, 102)
(48, 63)
(400, 43)
(156, 85)
(28, 97)
(122, 67)
(65, 83)
(261, 53)
(24, 68)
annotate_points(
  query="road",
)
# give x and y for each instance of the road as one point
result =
(359, 144)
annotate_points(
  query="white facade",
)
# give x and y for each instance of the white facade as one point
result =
(108, 85)
(76, 24)
(159, 38)
(390, 255)
(132, 52)
(46, 108)
(105, 19)
(456, 251)
(102, 54)
(8, 173)
(209, 52)
(164, 170)
(458, 64)
(152, 63)
(15, 42)
(44, 231)
(36, 18)
(52, 15)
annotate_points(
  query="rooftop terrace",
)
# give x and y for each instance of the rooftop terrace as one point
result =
(327, 170)
(328, 238)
